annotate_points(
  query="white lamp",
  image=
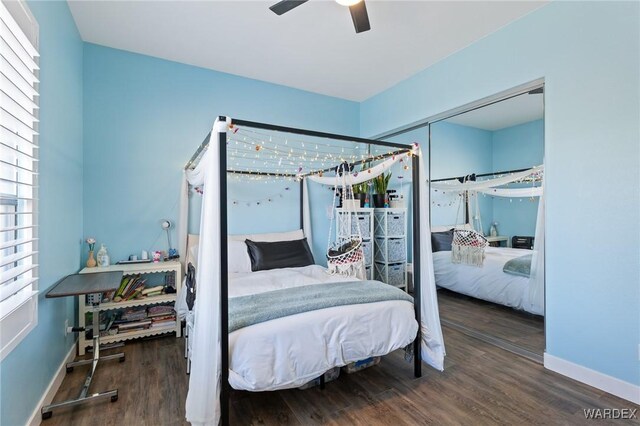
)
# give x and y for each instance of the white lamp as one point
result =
(166, 225)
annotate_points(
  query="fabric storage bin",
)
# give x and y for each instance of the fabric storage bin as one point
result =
(393, 274)
(390, 223)
(364, 220)
(395, 224)
(391, 250)
(329, 376)
(367, 249)
(361, 365)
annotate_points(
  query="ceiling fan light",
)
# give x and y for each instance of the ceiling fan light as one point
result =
(347, 2)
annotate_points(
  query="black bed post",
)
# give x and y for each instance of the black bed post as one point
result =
(417, 359)
(302, 203)
(224, 281)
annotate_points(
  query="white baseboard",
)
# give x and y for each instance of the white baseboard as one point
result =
(609, 384)
(53, 387)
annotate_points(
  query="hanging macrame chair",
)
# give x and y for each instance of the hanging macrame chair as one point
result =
(344, 255)
(468, 246)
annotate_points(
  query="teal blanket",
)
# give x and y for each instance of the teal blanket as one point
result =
(256, 308)
(520, 266)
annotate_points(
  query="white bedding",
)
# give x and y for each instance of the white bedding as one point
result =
(289, 352)
(488, 282)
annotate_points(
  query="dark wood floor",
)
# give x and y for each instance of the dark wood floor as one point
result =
(481, 385)
(517, 327)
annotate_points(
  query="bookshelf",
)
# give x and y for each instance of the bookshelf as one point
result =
(137, 269)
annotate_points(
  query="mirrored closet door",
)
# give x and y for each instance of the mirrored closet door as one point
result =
(487, 221)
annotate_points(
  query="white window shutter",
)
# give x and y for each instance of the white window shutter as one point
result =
(18, 174)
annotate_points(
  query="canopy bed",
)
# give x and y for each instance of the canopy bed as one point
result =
(236, 341)
(507, 276)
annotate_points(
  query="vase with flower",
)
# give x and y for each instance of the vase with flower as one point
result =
(91, 262)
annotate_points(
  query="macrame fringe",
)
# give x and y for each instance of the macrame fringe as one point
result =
(468, 247)
(468, 255)
(350, 269)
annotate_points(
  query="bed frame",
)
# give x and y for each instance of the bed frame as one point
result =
(224, 273)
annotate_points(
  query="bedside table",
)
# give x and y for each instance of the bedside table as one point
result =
(497, 241)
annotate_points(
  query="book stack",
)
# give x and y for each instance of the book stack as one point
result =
(162, 316)
(131, 287)
(136, 319)
(133, 319)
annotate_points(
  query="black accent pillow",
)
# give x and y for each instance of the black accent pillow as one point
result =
(279, 254)
(441, 241)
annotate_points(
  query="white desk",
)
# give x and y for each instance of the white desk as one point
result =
(498, 240)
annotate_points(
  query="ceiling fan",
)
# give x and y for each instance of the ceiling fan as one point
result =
(357, 8)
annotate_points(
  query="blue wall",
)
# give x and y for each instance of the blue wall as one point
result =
(517, 147)
(143, 119)
(589, 55)
(457, 151)
(28, 369)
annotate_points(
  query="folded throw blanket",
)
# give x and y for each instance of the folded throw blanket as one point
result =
(256, 308)
(520, 266)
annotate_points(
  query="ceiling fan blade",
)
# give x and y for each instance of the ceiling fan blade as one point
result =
(286, 5)
(360, 17)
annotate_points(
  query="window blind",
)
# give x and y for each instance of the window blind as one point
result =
(18, 181)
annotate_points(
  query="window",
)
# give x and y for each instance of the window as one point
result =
(18, 174)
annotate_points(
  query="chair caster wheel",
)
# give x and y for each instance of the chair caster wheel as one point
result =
(69, 369)
(114, 398)
(47, 415)
(121, 359)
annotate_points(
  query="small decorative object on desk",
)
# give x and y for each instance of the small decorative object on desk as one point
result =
(157, 255)
(493, 231)
(91, 262)
(103, 257)
(173, 254)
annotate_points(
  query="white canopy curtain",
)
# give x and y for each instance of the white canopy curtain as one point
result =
(203, 398)
(492, 187)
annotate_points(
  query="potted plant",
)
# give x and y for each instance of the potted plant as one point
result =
(360, 191)
(380, 185)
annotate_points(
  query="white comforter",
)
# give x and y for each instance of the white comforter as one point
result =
(289, 352)
(487, 282)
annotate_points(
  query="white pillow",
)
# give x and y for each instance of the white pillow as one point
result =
(239, 260)
(192, 256)
(270, 237)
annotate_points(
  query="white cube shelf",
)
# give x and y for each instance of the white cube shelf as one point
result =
(390, 246)
(347, 224)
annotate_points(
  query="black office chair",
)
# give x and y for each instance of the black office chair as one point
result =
(520, 242)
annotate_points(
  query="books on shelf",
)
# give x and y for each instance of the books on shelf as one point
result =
(132, 288)
(137, 318)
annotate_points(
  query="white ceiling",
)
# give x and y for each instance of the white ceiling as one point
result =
(510, 112)
(313, 47)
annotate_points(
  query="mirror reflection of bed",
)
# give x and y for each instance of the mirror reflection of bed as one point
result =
(486, 175)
